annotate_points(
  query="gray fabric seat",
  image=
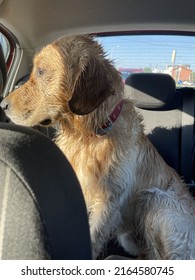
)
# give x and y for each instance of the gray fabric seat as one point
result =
(161, 105)
(42, 210)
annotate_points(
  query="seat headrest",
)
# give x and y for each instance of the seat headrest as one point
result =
(151, 90)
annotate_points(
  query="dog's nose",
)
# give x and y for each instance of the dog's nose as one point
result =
(4, 104)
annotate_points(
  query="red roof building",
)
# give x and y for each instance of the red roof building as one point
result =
(181, 73)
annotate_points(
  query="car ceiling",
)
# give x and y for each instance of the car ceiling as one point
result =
(37, 22)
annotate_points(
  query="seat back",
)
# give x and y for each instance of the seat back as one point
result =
(161, 105)
(42, 210)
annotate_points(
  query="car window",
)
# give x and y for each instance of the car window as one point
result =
(12, 52)
(5, 46)
(172, 54)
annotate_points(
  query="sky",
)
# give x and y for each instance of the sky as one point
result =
(153, 51)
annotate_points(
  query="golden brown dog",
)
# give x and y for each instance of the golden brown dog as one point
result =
(128, 188)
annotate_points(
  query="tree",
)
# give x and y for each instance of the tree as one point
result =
(147, 70)
(193, 77)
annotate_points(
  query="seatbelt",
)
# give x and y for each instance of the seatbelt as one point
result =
(187, 134)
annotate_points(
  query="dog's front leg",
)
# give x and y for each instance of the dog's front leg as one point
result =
(104, 218)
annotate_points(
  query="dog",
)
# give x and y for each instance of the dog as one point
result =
(129, 190)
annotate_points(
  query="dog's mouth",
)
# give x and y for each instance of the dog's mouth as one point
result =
(46, 122)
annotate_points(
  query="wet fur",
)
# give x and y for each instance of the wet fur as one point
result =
(128, 188)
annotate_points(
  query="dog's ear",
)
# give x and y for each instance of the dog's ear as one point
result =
(91, 88)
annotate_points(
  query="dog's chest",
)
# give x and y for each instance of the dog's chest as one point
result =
(102, 169)
(90, 161)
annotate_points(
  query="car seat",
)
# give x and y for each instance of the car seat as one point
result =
(168, 117)
(42, 210)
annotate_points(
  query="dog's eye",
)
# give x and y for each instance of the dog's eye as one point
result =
(40, 72)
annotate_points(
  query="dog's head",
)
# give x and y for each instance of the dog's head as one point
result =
(69, 76)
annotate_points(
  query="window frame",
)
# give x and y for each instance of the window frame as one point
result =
(13, 60)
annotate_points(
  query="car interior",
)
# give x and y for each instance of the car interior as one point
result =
(35, 223)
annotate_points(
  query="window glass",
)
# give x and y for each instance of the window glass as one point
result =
(5, 46)
(170, 54)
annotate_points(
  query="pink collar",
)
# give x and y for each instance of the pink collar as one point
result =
(107, 126)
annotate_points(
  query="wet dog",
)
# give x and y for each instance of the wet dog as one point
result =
(128, 188)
